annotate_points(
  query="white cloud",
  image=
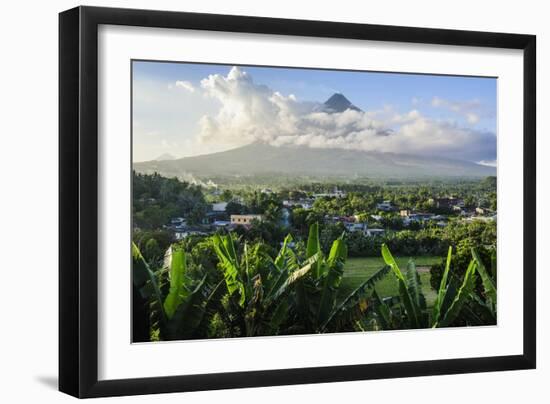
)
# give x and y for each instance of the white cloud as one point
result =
(472, 110)
(186, 85)
(472, 118)
(252, 112)
(490, 163)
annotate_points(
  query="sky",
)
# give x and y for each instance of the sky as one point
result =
(186, 109)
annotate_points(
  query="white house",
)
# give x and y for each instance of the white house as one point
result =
(178, 222)
(357, 226)
(219, 206)
(374, 232)
(221, 223)
(336, 194)
(304, 203)
(417, 217)
(385, 206)
(180, 235)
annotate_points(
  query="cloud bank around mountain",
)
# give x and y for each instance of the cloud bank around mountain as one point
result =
(251, 112)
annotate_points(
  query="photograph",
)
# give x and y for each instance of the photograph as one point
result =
(271, 201)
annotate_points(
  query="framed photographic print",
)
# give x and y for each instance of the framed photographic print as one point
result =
(251, 201)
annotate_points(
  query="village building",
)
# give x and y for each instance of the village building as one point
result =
(385, 206)
(357, 226)
(245, 220)
(213, 216)
(178, 222)
(219, 207)
(378, 218)
(219, 224)
(417, 217)
(483, 211)
(335, 194)
(375, 232)
(182, 234)
(486, 219)
(448, 203)
(304, 203)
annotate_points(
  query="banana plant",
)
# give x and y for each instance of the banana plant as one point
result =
(147, 298)
(482, 309)
(387, 318)
(352, 307)
(450, 301)
(448, 316)
(409, 290)
(260, 285)
(489, 285)
(319, 305)
(190, 303)
(186, 310)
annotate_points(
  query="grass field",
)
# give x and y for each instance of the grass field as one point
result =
(358, 270)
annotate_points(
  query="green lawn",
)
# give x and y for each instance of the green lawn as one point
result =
(358, 270)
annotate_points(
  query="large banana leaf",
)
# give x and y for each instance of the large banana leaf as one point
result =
(331, 282)
(280, 273)
(442, 289)
(284, 254)
(293, 278)
(178, 291)
(230, 248)
(461, 297)
(278, 280)
(188, 314)
(314, 247)
(412, 309)
(383, 311)
(355, 294)
(284, 263)
(488, 284)
(414, 286)
(225, 250)
(144, 279)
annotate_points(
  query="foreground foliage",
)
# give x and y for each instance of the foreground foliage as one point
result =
(233, 288)
(457, 302)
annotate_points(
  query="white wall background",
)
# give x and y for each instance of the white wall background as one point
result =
(28, 199)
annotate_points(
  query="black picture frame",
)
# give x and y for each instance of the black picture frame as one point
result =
(78, 201)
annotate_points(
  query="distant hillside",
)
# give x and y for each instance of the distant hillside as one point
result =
(165, 156)
(263, 159)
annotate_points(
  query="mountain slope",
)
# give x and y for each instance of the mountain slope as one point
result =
(262, 159)
(337, 103)
(165, 156)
